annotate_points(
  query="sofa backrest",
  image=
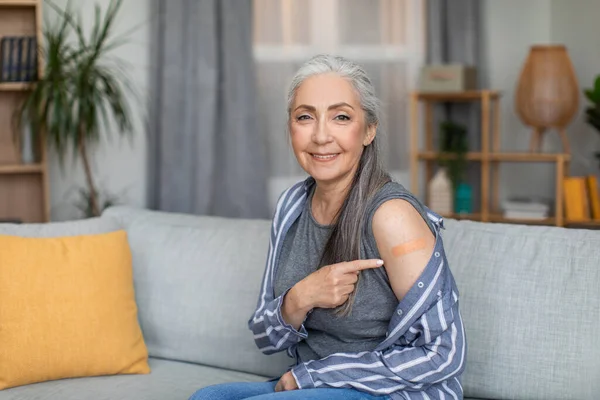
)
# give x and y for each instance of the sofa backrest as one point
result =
(64, 228)
(530, 300)
(197, 281)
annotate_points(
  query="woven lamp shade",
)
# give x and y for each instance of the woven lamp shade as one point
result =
(547, 92)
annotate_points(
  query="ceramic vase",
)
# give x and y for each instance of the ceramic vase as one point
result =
(441, 193)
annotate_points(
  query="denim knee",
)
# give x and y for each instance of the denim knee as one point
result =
(205, 393)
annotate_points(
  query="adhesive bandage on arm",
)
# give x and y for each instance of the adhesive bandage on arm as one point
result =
(409, 247)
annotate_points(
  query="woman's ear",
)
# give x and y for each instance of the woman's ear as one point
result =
(370, 136)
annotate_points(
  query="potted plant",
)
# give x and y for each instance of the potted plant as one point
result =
(592, 112)
(454, 145)
(81, 93)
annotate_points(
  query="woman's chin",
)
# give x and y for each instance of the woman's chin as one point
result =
(324, 175)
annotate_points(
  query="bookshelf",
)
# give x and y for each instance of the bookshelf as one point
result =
(488, 158)
(24, 191)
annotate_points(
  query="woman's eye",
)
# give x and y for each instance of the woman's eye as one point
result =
(303, 117)
(343, 117)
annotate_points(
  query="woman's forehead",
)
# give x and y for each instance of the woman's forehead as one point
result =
(326, 89)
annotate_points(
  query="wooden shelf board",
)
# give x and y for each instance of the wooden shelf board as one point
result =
(516, 157)
(456, 96)
(15, 86)
(18, 3)
(433, 155)
(529, 157)
(21, 169)
(473, 217)
(594, 223)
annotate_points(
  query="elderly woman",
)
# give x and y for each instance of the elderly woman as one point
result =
(357, 287)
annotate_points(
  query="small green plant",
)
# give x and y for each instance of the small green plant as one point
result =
(85, 205)
(454, 145)
(592, 112)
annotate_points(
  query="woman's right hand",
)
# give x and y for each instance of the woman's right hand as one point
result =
(330, 286)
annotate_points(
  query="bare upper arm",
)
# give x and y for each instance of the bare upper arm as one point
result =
(404, 241)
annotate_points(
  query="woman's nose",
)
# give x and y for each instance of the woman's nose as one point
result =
(321, 133)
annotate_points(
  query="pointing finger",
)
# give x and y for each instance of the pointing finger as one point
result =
(359, 265)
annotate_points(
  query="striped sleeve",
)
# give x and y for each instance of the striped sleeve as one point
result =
(426, 358)
(271, 333)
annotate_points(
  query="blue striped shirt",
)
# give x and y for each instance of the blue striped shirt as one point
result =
(423, 355)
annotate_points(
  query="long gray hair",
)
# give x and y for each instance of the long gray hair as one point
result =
(344, 243)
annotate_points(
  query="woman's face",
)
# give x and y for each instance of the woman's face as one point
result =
(327, 128)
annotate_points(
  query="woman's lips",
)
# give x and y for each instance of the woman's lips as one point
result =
(324, 157)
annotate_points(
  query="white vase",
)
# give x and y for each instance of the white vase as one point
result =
(441, 199)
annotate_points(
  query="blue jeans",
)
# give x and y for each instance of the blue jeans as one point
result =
(266, 391)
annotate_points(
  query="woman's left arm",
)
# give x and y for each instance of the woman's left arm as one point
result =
(406, 244)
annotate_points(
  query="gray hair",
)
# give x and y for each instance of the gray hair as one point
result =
(344, 243)
(354, 73)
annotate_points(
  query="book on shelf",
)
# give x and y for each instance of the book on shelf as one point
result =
(18, 59)
(582, 202)
(526, 208)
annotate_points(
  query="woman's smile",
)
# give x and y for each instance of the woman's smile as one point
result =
(324, 157)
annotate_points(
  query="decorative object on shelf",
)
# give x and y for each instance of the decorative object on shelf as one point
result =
(463, 199)
(529, 208)
(547, 95)
(440, 193)
(18, 59)
(446, 78)
(454, 146)
(82, 89)
(592, 111)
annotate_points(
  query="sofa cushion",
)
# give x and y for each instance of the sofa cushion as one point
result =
(530, 302)
(168, 380)
(197, 281)
(67, 308)
(63, 228)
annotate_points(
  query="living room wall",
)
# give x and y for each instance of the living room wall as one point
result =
(510, 27)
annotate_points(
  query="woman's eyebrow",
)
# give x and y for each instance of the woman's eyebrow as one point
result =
(331, 107)
(338, 105)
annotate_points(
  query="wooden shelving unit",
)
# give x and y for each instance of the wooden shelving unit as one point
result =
(489, 157)
(24, 191)
(15, 86)
(19, 3)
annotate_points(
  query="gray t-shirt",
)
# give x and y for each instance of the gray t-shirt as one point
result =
(375, 301)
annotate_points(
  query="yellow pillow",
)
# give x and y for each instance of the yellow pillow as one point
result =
(67, 309)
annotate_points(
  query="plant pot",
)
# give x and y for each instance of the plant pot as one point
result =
(463, 199)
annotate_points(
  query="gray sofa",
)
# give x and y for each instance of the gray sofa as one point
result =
(530, 300)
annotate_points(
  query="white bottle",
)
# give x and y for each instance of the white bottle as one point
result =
(441, 199)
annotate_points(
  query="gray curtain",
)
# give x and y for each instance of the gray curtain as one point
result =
(206, 154)
(454, 36)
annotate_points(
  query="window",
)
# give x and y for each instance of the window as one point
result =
(385, 36)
